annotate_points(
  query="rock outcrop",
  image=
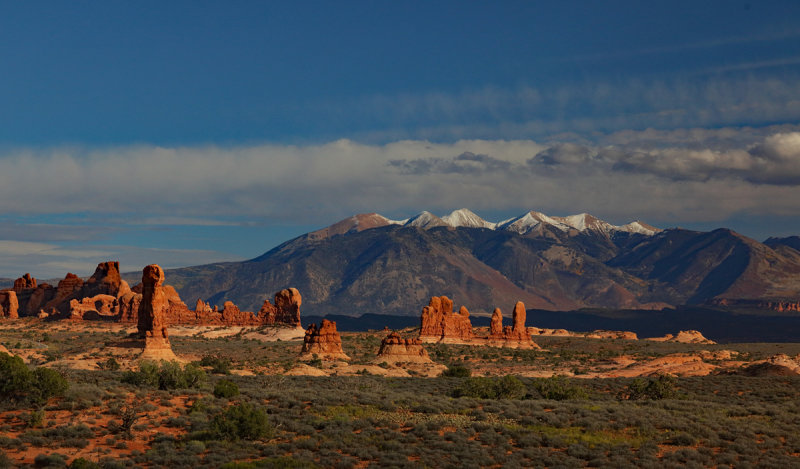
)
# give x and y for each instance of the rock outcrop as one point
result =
(684, 337)
(44, 300)
(286, 310)
(516, 335)
(152, 326)
(776, 365)
(323, 342)
(26, 282)
(395, 349)
(9, 306)
(440, 324)
(98, 307)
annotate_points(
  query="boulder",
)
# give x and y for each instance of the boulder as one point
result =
(323, 342)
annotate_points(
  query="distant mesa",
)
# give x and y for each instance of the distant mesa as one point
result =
(323, 342)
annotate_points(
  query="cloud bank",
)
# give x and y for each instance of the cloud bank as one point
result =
(684, 175)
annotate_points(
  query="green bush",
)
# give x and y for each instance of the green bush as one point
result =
(169, 375)
(20, 383)
(662, 387)
(558, 388)
(219, 365)
(226, 389)
(48, 383)
(81, 463)
(507, 387)
(457, 371)
(111, 364)
(243, 421)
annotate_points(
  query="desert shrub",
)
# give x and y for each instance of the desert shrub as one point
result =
(81, 463)
(50, 460)
(507, 387)
(226, 389)
(35, 419)
(559, 389)
(19, 383)
(457, 371)
(662, 387)
(219, 365)
(48, 383)
(169, 375)
(111, 364)
(274, 462)
(242, 421)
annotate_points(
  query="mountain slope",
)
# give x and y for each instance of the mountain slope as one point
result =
(371, 264)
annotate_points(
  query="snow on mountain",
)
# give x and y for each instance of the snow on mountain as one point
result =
(522, 224)
(425, 220)
(527, 222)
(467, 218)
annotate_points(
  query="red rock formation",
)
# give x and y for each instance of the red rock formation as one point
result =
(285, 311)
(395, 349)
(324, 342)
(94, 308)
(26, 282)
(106, 280)
(152, 325)
(685, 337)
(440, 323)
(65, 290)
(9, 306)
(517, 334)
(496, 326)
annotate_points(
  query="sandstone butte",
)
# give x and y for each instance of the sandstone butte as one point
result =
(516, 335)
(440, 324)
(323, 342)
(152, 327)
(105, 296)
(395, 349)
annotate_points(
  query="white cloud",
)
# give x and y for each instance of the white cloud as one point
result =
(648, 171)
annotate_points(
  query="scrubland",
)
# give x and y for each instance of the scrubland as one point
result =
(230, 405)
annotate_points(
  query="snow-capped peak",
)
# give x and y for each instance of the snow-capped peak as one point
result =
(425, 219)
(522, 224)
(465, 217)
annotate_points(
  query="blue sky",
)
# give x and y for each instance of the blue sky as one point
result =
(189, 132)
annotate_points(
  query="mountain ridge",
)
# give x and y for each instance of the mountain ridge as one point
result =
(369, 263)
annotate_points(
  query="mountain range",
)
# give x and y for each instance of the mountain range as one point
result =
(370, 264)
